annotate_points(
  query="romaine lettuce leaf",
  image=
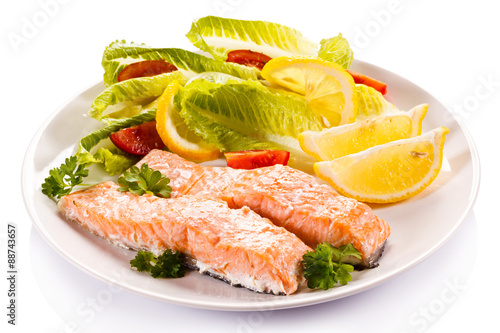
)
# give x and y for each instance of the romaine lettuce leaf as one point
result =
(218, 36)
(247, 115)
(214, 77)
(114, 160)
(372, 103)
(336, 49)
(119, 54)
(126, 98)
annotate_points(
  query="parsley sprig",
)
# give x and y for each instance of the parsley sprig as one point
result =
(167, 265)
(145, 180)
(324, 267)
(63, 179)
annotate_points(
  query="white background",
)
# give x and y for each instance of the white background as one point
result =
(51, 51)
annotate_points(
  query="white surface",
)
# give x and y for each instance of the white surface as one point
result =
(449, 49)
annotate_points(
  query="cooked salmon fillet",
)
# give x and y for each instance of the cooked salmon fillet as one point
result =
(290, 198)
(236, 245)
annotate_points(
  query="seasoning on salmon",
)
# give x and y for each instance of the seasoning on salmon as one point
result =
(288, 197)
(236, 245)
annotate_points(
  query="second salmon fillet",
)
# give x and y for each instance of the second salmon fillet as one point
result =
(236, 245)
(288, 197)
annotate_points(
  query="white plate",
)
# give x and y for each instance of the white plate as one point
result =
(420, 225)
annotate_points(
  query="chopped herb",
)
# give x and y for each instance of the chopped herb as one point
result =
(323, 268)
(167, 265)
(145, 180)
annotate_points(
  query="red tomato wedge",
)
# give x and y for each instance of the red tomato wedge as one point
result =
(248, 58)
(145, 68)
(138, 140)
(251, 159)
(369, 81)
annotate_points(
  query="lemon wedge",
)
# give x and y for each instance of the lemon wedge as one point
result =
(336, 142)
(176, 135)
(328, 89)
(387, 173)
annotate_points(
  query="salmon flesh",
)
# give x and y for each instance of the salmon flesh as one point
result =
(236, 245)
(290, 198)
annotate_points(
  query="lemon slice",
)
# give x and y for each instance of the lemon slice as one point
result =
(176, 135)
(329, 90)
(387, 173)
(336, 142)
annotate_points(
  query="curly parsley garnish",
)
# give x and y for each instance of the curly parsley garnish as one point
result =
(323, 268)
(167, 265)
(145, 180)
(62, 180)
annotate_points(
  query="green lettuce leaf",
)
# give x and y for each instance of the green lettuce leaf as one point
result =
(372, 103)
(247, 115)
(114, 160)
(213, 77)
(336, 49)
(119, 54)
(218, 36)
(127, 98)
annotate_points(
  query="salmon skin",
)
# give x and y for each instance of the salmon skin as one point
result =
(288, 197)
(236, 245)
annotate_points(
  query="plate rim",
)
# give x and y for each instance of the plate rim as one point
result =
(264, 305)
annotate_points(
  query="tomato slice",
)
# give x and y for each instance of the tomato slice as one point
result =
(248, 58)
(251, 159)
(145, 68)
(138, 140)
(369, 81)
